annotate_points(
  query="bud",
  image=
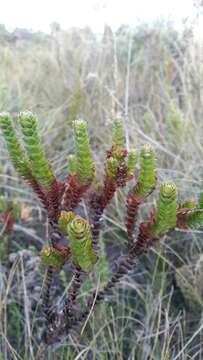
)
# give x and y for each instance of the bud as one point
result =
(51, 256)
(64, 220)
(81, 244)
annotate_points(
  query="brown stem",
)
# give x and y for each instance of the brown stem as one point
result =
(38, 190)
(54, 234)
(73, 193)
(108, 191)
(134, 199)
(95, 218)
(180, 216)
(72, 295)
(133, 203)
(54, 202)
(59, 322)
(122, 266)
(46, 303)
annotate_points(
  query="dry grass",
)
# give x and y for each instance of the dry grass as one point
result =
(153, 77)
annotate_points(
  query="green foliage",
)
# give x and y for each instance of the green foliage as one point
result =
(131, 160)
(112, 166)
(64, 220)
(187, 204)
(85, 167)
(40, 165)
(200, 200)
(101, 270)
(7, 204)
(165, 217)
(118, 133)
(80, 243)
(72, 164)
(19, 89)
(102, 266)
(51, 256)
(147, 173)
(3, 204)
(14, 148)
(192, 219)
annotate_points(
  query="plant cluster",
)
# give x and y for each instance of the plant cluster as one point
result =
(73, 238)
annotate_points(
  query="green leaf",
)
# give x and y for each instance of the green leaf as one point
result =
(165, 218)
(85, 167)
(112, 166)
(15, 150)
(51, 256)
(80, 243)
(147, 173)
(131, 160)
(41, 168)
(190, 218)
(72, 164)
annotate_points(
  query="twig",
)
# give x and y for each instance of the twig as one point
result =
(122, 267)
(46, 294)
(72, 294)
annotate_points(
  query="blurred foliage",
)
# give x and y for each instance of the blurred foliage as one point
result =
(190, 280)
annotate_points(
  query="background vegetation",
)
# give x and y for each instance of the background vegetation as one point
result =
(153, 77)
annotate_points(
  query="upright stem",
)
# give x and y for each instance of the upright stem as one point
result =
(95, 216)
(54, 201)
(46, 304)
(72, 295)
(122, 266)
(38, 190)
(132, 205)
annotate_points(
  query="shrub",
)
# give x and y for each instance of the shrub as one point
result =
(73, 238)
